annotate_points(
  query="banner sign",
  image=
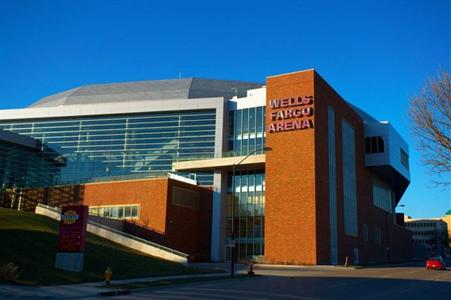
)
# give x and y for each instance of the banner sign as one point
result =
(72, 229)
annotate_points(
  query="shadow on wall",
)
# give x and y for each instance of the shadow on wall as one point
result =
(117, 224)
(28, 199)
(145, 232)
(142, 231)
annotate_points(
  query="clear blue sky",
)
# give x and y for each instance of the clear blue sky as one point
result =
(376, 53)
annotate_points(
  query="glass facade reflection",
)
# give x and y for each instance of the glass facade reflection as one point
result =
(249, 216)
(247, 130)
(118, 145)
(247, 135)
(25, 167)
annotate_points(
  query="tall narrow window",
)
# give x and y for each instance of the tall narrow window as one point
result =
(404, 159)
(377, 236)
(349, 179)
(332, 186)
(374, 144)
(365, 232)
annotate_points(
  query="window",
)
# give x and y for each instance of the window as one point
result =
(332, 187)
(365, 232)
(248, 213)
(141, 144)
(377, 236)
(404, 159)
(349, 179)
(248, 131)
(116, 211)
(356, 256)
(383, 196)
(374, 144)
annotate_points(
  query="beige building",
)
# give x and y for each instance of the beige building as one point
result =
(432, 234)
(447, 219)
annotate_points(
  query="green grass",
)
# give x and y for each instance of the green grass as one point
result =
(30, 242)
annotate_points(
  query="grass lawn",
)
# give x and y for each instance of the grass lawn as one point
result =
(30, 241)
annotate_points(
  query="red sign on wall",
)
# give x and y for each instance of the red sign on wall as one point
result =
(72, 229)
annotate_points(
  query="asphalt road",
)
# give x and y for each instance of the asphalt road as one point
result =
(401, 282)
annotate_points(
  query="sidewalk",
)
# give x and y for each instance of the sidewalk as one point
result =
(261, 266)
(81, 290)
(92, 289)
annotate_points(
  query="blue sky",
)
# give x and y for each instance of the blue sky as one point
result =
(376, 54)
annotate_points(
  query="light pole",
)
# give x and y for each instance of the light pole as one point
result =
(387, 232)
(232, 237)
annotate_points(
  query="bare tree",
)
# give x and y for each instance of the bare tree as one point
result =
(430, 113)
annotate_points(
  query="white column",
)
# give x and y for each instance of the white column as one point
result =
(217, 216)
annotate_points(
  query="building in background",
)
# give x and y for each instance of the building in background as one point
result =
(447, 219)
(326, 192)
(430, 236)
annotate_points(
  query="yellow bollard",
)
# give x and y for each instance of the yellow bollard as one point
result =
(108, 275)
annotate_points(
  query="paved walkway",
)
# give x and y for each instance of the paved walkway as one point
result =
(388, 283)
(92, 289)
(80, 290)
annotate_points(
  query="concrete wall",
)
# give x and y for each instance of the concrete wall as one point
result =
(134, 244)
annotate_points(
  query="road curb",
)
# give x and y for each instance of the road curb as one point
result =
(312, 267)
(114, 293)
(383, 265)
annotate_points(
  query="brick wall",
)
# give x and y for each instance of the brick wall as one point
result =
(290, 209)
(297, 185)
(182, 228)
(151, 194)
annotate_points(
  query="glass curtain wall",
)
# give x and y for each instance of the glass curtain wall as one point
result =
(122, 145)
(249, 216)
(247, 130)
(247, 135)
(24, 167)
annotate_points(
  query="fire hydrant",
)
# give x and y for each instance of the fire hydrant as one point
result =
(108, 275)
(250, 268)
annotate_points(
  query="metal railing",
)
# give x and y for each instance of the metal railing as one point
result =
(216, 155)
(55, 209)
(114, 178)
(161, 247)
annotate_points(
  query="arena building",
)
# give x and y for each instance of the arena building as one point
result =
(25, 161)
(286, 171)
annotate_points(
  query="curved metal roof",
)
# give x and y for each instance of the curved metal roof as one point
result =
(185, 88)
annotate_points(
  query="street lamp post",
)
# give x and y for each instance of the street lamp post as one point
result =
(387, 232)
(387, 238)
(232, 237)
